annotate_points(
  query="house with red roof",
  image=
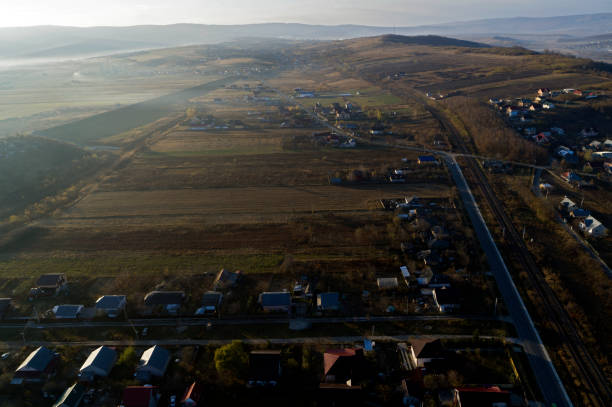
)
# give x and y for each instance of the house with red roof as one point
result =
(192, 396)
(140, 396)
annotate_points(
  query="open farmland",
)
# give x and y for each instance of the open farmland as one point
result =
(238, 205)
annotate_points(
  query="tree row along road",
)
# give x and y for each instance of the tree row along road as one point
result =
(595, 383)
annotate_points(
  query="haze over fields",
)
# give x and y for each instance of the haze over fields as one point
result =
(583, 35)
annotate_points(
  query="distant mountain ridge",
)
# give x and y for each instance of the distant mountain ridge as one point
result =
(70, 42)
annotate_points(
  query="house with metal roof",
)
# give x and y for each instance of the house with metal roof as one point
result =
(37, 366)
(49, 284)
(111, 305)
(328, 301)
(275, 301)
(72, 397)
(387, 283)
(99, 363)
(153, 363)
(171, 301)
(67, 311)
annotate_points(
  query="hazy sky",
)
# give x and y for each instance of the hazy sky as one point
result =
(369, 12)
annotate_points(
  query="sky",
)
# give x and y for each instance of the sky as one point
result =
(365, 12)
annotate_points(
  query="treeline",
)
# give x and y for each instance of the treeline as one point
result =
(491, 136)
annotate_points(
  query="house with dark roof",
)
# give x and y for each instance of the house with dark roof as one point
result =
(6, 305)
(140, 396)
(67, 311)
(49, 284)
(170, 301)
(343, 366)
(328, 301)
(448, 298)
(427, 160)
(72, 397)
(39, 364)
(111, 305)
(192, 395)
(264, 368)
(211, 301)
(226, 279)
(153, 363)
(275, 301)
(99, 363)
(429, 351)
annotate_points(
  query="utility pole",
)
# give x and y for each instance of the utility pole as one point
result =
(524, 230)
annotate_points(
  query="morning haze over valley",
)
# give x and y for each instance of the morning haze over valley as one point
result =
(304, 203)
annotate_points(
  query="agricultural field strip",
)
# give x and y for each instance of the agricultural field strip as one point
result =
(259, 200)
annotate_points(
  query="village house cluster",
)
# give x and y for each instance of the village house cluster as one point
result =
(582, 219)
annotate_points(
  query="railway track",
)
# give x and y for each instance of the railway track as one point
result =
(595, 383)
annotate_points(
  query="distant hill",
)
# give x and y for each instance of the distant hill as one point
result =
(70, 42)
(429, 40)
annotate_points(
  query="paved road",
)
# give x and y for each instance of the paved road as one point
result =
(320, 340)
(545, 372)
(190, 321)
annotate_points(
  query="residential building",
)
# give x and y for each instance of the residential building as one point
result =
(6, 305)
(153, 363)
(264, 368)
(427, 160)
(140, 396)
(49, 284)
(328, 301)
(211, 301)
(592, 227)
(99, 363)
(111, 305)
(170, 301)
(192, 395)
(67, 311)
(343, 366)
(72, 397)
(39, 365)
(275, 301)
(226, 279)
